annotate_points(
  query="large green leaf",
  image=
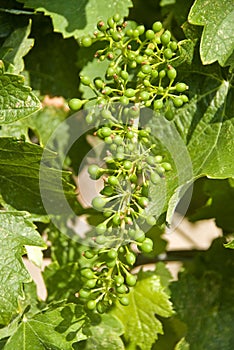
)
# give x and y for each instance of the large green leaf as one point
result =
(217, 42)
(203, 298)
(17, 100)
(147, 299)
(15, 47)
(23, 177)
(15, 233)
(55, 328)
(78, 17)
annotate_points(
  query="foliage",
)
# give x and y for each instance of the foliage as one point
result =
(140, 95)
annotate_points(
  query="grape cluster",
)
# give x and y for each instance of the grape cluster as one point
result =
(140, 74)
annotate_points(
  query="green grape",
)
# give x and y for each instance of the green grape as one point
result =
(130, 280)
(99, 84)
(143, 133)
(129, 92)
(150, 160)
(102, 26)
(105, 131)
(158, 104)
(130, 134)
(171, 73)
(91, 304)
(107, 191)
(124, 100)
(139, 59)
(135, 33)
(184, 98)
(146, 68)
(108, 140)
(181, 87)
(116, 36)
(162, 74)
(141, 29)
(143, 201)
(101, 229)
(157, 26)
(118, 140)
(127, 165)
(146, 246)
(87, 273)
(100, 239)
(149, 34)
(94, 171)
(124, 301)
(178, 102)
(111, 263)
(75, 104)
(101, 307)
(112, 180)
(130, 258)
(173, 46)
(107, 90)
(151, 220)
(155, 178)
(165, 38)
(119, 280)
(145, 190)
(84, 293)
(110, 72)
(112, 254)
(168, 53)
(117, 17)
(122, 289)
(124, 75)
(85, 80)
(129, 32)
(139, 236)
(158, 159)
(131, 56)
(144, 95)
(86, 41)
(149, 52)
(98, 203)
(166, 166)
(116, 219)
(154, 74)
(89, 254)
(89, 119)
(111, 22)
(133, 178)
(91, 283)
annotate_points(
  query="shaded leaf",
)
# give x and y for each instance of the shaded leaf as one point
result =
(217, 42)
(78, 18)
(15, 47)
(15, 233)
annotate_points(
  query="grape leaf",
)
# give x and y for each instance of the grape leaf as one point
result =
(217, 41)
(147, 298)
(104, 336)
(203, 299)
(15, 233)
(78, 17)
(54, 328)
(22, 180)
(15, 47)
(17, 100)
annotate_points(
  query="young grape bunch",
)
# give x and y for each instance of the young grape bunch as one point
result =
(140, 73)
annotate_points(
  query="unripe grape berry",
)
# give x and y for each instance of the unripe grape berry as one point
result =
(106, 131)
(107, 191)
(146, 68)
(116, 219)
(100, 239)
(146, 246)
(75, 104)
(143, 202)
(89, 119)
(139, 59)
(139, 236)
(91, 283)
(85, 80)
(149, 52)
(119, 280)
(124, 301)
(184, 98)
(141, 29)
(155, 178)
(158, 159)
(129, 32)
(168, 53)
(130, 134)
(101, 307)
(178, 102)
(99, 83)
(98, 203)
(117, 17)
(112, 180)
(165, 38)
(129, 92)
(144, 95)
(112, 254)
(124, 100)
(154, 74)
(84, 293)
(116, 36)
(158, 104)
(110, 262)
(107, 90)
(124, 75)
(162, 74)
(122, 289)
(171, 73)
(127, 165)
(94, 171)
(157, 26)
(91, 304)
(87, 273)
(86, 41)
(166, 166)
(151, 220)
(130, 258)
(111, 22)
(89, 254)
(173, 46)
(102, 26)
(149, 34)
(130, 280)
(143, 133)
(101, 229)
(118, 140)
(135, 33)
(181, 87)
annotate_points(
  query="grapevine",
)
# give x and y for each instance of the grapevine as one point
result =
(140, 74)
